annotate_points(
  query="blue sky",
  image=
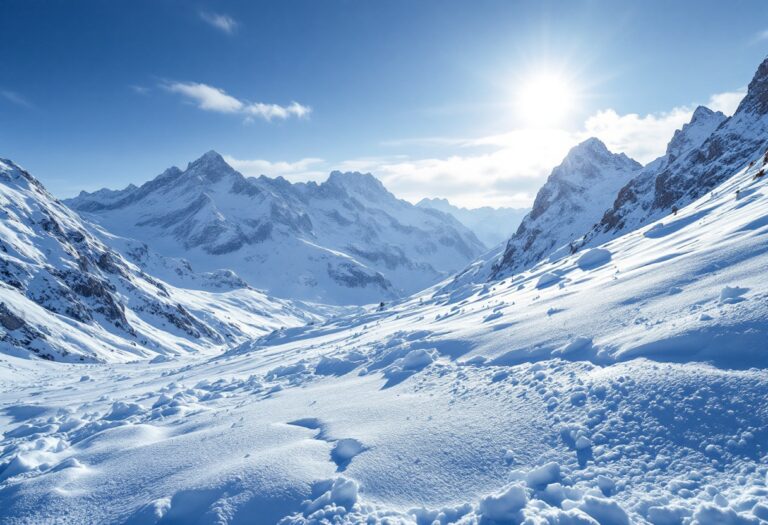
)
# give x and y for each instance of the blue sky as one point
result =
(426, 95)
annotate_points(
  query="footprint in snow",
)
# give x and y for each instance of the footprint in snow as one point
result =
(343, 451)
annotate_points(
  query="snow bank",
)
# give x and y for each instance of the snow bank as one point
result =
(594, 258)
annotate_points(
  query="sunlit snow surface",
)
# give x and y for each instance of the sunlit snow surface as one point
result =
(623, 386)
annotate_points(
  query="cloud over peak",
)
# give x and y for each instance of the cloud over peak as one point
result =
(210, 98)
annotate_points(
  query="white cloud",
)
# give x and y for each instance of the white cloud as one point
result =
(300, 170)
(726, 102)
(641, 137)
(207, 97)
(760, 36)
(221, 22)
(15, 98)
(139, 90)
(500, 170)
(211, 98)
(270, 111)
(645, 137)
(509, 175)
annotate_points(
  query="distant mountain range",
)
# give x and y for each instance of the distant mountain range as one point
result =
(174, 265)
(344, 241)
(67, 295)
(491, 225)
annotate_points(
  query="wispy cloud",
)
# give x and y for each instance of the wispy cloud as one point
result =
(222, 22)
(760, 36)
(298, 171)
(645, 137)
(15, 98)
(139, 90)
(209, 98)
(506, 169)
(642, 137)
(726, 102)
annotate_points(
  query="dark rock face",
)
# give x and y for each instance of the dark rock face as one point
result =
(350, 276)
(9, 320)
(51, 259)
(701, 156)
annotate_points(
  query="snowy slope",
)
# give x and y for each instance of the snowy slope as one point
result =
(693, 171)
(621, 384)
(65, 295)
(345, 241)
(570, 202)
(492, 226)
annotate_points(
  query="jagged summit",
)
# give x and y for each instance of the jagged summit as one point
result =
(756, 99)
(360, 184)
(211, 167)
(703, 122)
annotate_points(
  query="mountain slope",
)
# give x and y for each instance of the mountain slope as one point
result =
(491, 225)
(622, 384)
(695, 171)
(65, 295)
(570, 202)
(344, 241)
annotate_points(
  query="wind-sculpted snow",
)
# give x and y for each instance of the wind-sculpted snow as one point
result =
(67, 294)
(616, 386)
(345, 241)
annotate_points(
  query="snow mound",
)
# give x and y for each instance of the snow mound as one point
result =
(594, 258)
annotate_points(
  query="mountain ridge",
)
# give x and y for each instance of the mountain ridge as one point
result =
(344, 240)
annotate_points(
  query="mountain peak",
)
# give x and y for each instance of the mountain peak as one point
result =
(756, 100)
(211, 167)
(210, 158)
(591, 144)
(701, 112)
(590, 158)
(356, 181)
(703, 122)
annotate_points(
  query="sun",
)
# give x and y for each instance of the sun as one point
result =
(544, 99)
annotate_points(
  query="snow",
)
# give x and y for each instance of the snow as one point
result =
(625, 388)
(543, 476)
(505, 506)
(593, 258)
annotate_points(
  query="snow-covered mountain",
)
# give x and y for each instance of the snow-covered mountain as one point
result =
(572, 200)
(714, 147)
(345, 241)
(66, 295)
(492, 226)
(622, 384)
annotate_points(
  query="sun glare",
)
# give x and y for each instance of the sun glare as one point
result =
(544, 99)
